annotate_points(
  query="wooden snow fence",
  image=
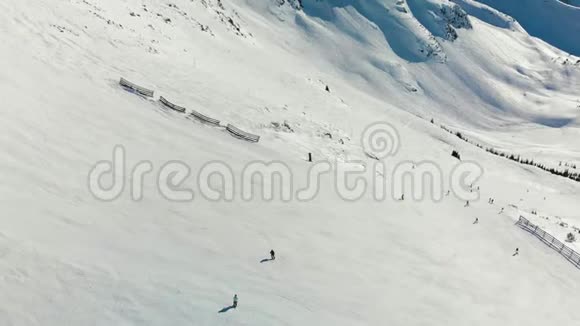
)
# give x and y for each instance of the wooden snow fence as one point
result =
(242, 134)
(234, 131)
(204, 118)
(135, 88)
(170, 105)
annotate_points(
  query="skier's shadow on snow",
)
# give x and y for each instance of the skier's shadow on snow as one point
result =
(266, 260)
(225, 309)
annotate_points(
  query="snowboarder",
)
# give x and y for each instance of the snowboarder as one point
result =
(272, 254)
(517, 252)
(235, 305)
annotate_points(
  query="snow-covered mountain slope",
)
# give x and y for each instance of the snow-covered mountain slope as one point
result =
(492, 77)
(555, 22)
(69, 258)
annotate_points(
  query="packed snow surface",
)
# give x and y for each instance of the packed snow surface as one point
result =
(491, 70)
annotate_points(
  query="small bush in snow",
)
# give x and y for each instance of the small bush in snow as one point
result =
(571, 237)
(456, 154)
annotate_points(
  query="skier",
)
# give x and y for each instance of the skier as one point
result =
(476, 220)
(517, 252)
(467, 203)
(272, 254)
(403, 197)
(235, 305)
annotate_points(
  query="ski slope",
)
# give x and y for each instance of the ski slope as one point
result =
(67, 258)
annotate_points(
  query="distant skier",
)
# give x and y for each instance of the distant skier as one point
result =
(501, 210)
(467, 203)
(272, 254)
(403, 197)
(476, 221)
(517, 252)
(235, 305)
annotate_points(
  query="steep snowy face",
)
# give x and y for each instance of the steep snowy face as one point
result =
(394, 48)
(487, 14)
(441, 18)
(552, 21)
(410, 28)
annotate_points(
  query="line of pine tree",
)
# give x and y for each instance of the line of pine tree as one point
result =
(566, 173)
